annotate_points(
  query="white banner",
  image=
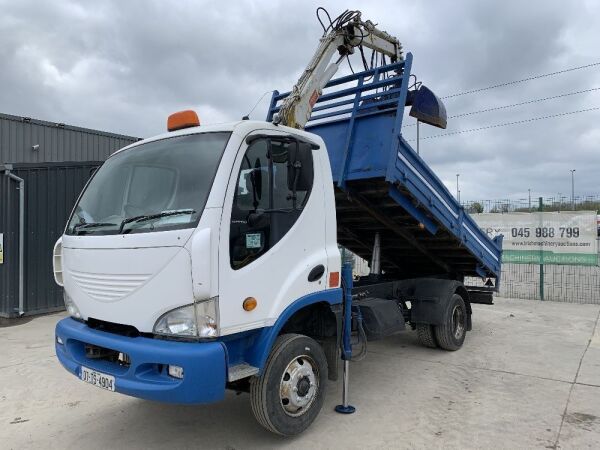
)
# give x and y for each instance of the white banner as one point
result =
(569, 237)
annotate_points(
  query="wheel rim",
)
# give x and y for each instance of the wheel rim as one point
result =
(458, 322)
(299, 386)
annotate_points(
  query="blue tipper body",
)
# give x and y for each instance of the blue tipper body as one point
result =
(362, 128)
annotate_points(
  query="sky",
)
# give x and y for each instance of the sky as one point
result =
(124, 66)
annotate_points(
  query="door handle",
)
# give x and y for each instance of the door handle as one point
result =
(316, 273)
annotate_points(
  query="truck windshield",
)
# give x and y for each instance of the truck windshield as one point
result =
(158, 186)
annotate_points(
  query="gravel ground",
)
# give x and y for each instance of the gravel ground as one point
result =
(528, 376)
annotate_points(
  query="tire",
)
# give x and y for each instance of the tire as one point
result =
(425, 335)
(296, 361)
(332, 350)
(451, 334)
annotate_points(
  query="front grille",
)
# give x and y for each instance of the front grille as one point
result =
(108, 287)
(111, 327)
(107, 354)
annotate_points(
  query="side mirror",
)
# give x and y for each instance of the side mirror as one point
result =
(427, 107)
(257, 220)
(300, 167)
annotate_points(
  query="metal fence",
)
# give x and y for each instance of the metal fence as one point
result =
(572, 284)
(558, 203)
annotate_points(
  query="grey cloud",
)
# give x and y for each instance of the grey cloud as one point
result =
(124, 66)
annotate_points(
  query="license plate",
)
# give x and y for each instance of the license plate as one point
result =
(98, 379)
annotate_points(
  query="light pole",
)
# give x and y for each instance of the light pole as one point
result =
(457, 191)
(417, 136)
(573, 189)
(529, 192)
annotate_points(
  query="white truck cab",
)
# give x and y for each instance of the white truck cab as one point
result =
(163, 225)
(201, 242)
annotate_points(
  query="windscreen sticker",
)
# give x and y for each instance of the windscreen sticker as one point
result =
(253, 240)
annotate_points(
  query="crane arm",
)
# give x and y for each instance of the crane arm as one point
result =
(297, 107)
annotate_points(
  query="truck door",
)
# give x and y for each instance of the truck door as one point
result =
(272, 232)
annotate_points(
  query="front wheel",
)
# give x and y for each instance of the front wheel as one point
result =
(288, 395)
(451, 334)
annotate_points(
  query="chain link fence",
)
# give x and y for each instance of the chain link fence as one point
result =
(548, 204)
(572, 284)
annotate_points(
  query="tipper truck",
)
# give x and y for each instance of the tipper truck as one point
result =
(208, 258)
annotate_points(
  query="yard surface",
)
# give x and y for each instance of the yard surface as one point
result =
(528, 376)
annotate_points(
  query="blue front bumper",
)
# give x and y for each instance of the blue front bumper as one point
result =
(204, 364)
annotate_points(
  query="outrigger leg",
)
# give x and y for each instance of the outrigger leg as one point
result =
(345, 408)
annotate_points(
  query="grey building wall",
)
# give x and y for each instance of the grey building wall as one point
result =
(50, 193)
(57, 142)
(54, 175)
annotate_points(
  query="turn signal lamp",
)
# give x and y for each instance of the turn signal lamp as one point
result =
(183, 119)
(334, 279)
(249, 304)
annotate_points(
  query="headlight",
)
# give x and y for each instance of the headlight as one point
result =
(195, 320)
(72, 308)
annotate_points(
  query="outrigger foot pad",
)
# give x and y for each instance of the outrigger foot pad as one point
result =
(348, 409)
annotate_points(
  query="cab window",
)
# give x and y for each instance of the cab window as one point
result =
(273, 186)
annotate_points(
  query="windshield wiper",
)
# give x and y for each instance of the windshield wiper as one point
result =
(92, 225)
(145, 217)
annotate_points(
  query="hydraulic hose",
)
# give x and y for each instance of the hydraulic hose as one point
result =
(362, 337)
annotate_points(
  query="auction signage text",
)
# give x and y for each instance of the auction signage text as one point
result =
(544, 237)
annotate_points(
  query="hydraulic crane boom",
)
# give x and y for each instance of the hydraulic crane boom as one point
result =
(348, 31)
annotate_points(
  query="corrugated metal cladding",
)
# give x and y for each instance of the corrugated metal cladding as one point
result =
(9, 227)
(57, 142)
(50, 193)
(55, 161)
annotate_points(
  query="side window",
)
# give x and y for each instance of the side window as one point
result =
(252, 192)
(273, 185)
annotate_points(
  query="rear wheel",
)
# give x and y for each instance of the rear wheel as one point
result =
(288, 395)
(425, 335)
(451, 334)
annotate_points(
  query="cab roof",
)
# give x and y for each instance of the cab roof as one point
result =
(240, 127)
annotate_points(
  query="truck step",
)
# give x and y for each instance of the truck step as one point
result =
(240, 371)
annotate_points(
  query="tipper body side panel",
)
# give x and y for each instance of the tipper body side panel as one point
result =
(383, 186)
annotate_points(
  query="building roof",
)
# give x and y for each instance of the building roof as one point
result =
(27, 140)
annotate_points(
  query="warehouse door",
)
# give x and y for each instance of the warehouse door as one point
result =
(51, 191)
